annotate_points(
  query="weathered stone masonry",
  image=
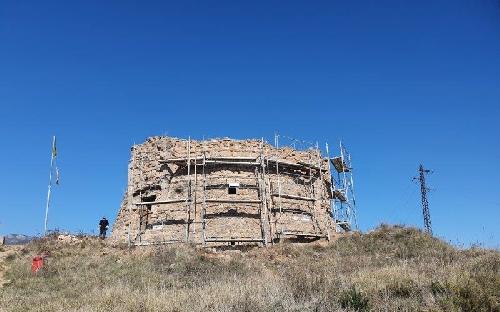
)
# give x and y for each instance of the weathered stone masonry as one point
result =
(224, 191)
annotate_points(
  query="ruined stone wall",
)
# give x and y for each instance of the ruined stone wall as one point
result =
(178, 191)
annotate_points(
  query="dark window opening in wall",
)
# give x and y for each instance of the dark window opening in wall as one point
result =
(232, 188)
(150, 198)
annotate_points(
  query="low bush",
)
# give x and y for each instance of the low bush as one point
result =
(353, 299)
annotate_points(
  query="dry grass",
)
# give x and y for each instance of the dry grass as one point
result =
(390, 269)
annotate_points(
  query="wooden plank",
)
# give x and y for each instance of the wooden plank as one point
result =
(240, 201)
(181, 159)
(294, 197)
(232, 158)
(226, 158)
(298, 165)
(232, 240)
(239, 163)
(169, 201)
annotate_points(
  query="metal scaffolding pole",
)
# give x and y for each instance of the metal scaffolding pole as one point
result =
(332, 185)
(188, 199)
(262, 193)
(204, 209)
(195, 190)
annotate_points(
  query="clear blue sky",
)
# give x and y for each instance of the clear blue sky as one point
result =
(401, 82)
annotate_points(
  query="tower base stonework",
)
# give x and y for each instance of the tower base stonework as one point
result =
(224, 191)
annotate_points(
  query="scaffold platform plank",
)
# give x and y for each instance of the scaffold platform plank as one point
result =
(215, 158)
(339, 195)
(238, 163)
(339, 165)
(289, 196)
(233, 240)
(231, 201)
(168, 201)
(299, 165)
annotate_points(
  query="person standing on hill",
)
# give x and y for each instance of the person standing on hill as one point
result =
(103, 226)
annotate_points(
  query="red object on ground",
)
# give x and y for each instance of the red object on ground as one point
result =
(36, 264)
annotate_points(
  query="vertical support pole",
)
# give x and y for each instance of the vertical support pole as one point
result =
(268, 198)
(49, 190)
(47, 208)
(140, 207)
(309, 169)
(311, 193)
(129, 202)
(319, 201)
(204, 209)
(278, 178)
(344, 186)
(262, 193)
(131, 181)
(332, 200)
(351, 188)
(319, 163)
(279, 182)
(195, 188)
(128, 235)
(188, 206)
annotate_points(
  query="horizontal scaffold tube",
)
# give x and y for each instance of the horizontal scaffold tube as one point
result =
(173, 201)
(294, 197)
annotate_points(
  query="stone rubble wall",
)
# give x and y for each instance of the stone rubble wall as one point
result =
(154, 177)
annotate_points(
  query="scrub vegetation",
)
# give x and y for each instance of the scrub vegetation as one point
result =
(389, 269)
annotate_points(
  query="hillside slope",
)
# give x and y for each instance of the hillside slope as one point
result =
(389, 269)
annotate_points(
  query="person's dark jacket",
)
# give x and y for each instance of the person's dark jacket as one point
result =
(103, 223)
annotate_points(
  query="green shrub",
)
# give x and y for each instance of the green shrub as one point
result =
(353, 299)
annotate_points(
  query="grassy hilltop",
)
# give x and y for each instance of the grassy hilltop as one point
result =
(389, 269)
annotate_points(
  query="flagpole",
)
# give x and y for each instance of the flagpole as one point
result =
(50, 183)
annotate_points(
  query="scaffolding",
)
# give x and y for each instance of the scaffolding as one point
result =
(266, 202)
(143, 208)
(343, 200)
(216, 206)
(302, 206)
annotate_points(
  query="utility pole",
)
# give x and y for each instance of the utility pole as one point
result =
(425, 202)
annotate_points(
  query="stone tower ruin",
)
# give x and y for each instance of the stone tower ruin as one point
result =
(224, 191)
